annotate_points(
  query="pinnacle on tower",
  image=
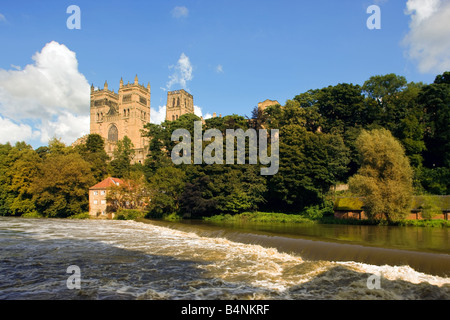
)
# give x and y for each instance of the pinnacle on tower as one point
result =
(136, 81)
(121, 82)
(106, 85)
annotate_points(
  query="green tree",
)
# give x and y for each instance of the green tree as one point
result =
(61, 187)
(310, 163)
(385, 176)
(5, 164)
(217, 189)
(18, 167)
(21, 174)
(93, 151)
(342, 106)
(435, 100)
(120, 166)
(165, 189)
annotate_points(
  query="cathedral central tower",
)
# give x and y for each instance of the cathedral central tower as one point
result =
(178, 103)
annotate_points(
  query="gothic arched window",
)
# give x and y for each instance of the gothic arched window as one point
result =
(113, 133)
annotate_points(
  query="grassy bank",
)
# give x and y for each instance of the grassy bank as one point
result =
(274, 217)
(260, 217)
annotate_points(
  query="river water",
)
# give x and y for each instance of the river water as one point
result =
(154, 260)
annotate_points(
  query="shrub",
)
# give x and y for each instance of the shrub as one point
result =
(128, 214)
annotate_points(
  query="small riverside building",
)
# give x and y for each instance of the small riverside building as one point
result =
(97, 198)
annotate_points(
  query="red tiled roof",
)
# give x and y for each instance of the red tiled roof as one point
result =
(108, 182)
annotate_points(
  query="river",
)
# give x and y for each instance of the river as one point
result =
(171, 261)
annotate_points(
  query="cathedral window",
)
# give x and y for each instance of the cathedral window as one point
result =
(113, 133)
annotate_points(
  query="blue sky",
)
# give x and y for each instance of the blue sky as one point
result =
(229, 54)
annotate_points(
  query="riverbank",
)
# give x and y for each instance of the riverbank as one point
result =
(275, 217)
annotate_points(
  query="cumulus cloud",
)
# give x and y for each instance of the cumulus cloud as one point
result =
(158, 116)
(68, 127)
(50, 91)
(428, 40)
(199, 113)
(180, 12)
(12, 132)
(182, 72)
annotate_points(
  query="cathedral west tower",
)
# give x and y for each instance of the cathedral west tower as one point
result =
(116, 115)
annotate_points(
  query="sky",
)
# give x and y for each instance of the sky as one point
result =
(229, 54)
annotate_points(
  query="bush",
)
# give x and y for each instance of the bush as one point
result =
(83, 215)
(259, 217)
(128, 214)
(33, 214)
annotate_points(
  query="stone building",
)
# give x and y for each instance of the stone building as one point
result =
(97, 198)
(178, 103)
(267, 103)
(116, 115)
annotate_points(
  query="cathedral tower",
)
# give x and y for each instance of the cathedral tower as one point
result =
(178, 103)
(116, 115)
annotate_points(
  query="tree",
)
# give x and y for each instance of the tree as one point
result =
(385, 176)
(165, 189)
(342, 106)
(120, 166)
(310, 163)
(18, 167)
(132, 194)
(21, 174)
(61, 187)
(217, 189)
(435, 100)
(93, 151)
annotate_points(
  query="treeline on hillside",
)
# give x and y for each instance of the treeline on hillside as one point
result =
(386, 137)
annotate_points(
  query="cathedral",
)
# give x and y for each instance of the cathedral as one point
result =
(116, 115)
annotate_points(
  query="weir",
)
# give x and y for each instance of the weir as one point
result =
(314, 250)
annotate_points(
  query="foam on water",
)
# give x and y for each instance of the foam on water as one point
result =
(132, 260)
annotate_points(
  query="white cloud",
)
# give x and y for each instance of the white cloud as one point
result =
(67, 127)
(12, 132)
(199, 113)
(2, 18)
(428, 40)
(180, 12)
(219, 68)
(158, 116)
(51, 92)
(182, 73)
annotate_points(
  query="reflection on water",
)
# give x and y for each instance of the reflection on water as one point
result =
(132, 260)
(405, 238)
